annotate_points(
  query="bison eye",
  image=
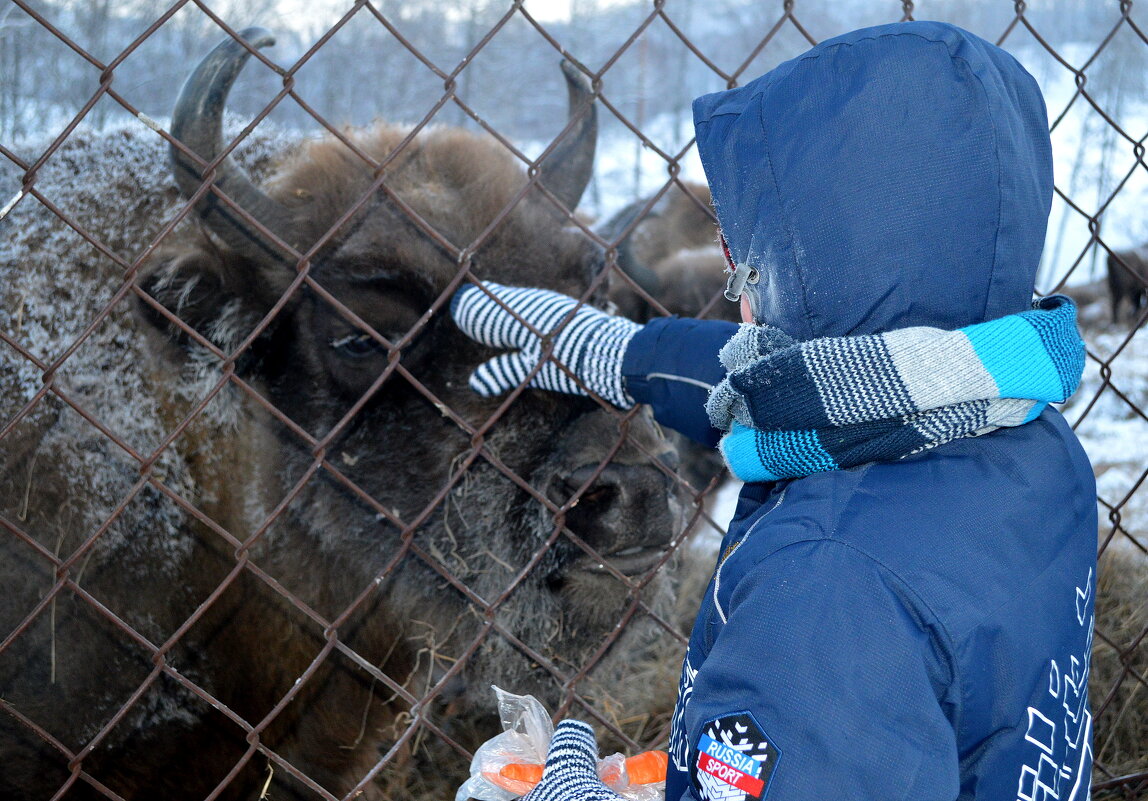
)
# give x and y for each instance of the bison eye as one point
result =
(356, 346)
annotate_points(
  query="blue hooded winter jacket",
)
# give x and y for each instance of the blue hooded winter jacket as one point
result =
(917, 629)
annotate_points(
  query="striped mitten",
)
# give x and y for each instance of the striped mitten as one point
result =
(571, 772)
(590, 344)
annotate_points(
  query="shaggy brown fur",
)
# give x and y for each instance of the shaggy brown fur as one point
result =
(284, 532)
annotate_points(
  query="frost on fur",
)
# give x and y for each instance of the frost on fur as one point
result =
(222, 473)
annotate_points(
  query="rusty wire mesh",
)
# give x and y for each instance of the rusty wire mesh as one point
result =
(201, 531)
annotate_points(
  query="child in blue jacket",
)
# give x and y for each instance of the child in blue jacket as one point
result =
(903, 605)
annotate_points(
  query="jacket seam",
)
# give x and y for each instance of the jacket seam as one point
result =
(738, 544)
(680, 378)
(999, 176)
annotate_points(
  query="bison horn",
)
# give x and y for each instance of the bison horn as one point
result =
(197, 122)
(567, 169)
(628, 260)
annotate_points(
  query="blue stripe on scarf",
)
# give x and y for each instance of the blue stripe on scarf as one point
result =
(872, 441)
(756, 455)
(1034, 413)
(1061, 339)
(772, 455)
(1013, 353)
(1035, 354)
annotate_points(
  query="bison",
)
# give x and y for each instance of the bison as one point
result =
(1128, 279)
(256, 532)
(668, 248)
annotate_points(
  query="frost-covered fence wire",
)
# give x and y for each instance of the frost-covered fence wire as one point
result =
(98, 64)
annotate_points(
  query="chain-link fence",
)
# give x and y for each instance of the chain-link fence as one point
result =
(260, 539)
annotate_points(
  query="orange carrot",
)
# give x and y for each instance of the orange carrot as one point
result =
(516, 777)
(513, 785)
(647, 767)
(517, 771)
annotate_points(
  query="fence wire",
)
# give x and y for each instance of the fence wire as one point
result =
(261, 539)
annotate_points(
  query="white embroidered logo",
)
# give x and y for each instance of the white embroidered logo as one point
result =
(1059, 767)
(679, 743)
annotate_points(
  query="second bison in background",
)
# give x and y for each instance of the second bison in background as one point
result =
(1128, 281)
(668, 247)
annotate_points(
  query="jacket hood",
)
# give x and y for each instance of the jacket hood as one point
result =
(895, 176)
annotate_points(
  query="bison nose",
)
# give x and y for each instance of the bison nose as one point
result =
(627, 513)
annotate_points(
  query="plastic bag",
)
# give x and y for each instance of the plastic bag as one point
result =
(509, 764)
(641, 777)
(524, 740)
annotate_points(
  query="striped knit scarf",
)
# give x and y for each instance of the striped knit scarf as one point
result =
(796, 408)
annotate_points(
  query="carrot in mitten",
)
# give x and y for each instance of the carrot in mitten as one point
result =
(511, 764)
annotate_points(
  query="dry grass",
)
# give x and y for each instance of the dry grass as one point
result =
(1119, 683)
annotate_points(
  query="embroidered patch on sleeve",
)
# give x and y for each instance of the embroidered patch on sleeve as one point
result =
(735, 760)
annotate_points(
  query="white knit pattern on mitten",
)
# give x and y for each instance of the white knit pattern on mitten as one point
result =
(571, 772)
(590, 344)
